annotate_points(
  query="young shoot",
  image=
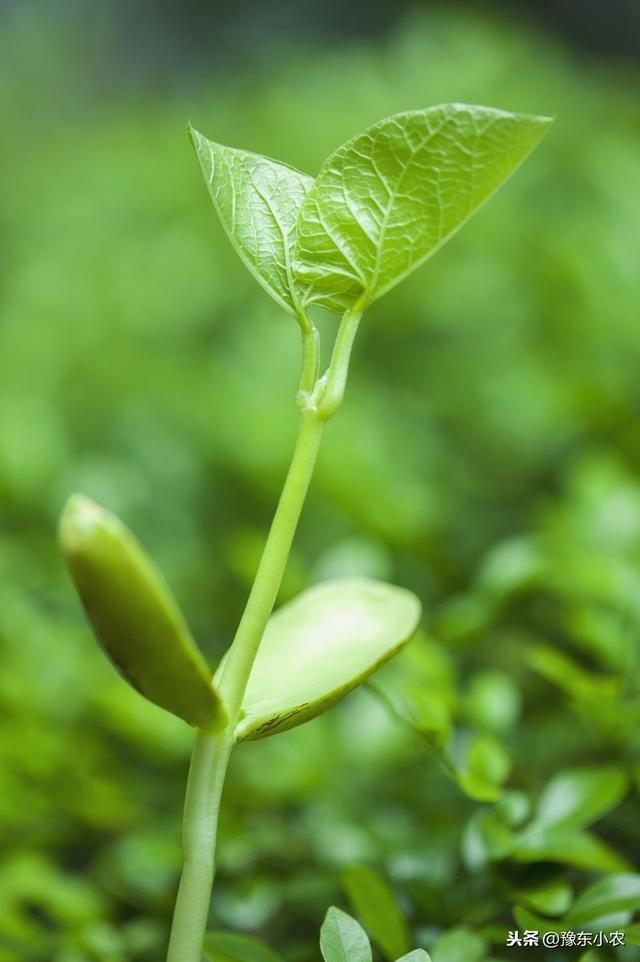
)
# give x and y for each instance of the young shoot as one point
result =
(381, 204)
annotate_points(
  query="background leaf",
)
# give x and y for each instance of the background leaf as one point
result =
(568, 847)
(618, 893)
(235, 947)
(342, 939)
(459, 945)
(373, 900)
(390, 197)
(257, 200)
(553, 898)
(321, 646)
(486, 767)
(580, 796)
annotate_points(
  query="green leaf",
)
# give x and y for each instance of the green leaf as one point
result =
(373, 900)
(257, 201)
(427, 710)
(232, 947)
(493, 701)
(487, 766)
(525, 919)
(459, 945)
(134, 615)
(632, 934)
(416, 955)
(567, 847)
(554, 898)
(618, 893)
(342, 939)
(486, 839)
(389, 198)
(580, 796)
(319, 647)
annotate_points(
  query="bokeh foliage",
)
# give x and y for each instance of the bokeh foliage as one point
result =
(487, 456)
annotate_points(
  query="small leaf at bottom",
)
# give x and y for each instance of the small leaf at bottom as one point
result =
(342, 939)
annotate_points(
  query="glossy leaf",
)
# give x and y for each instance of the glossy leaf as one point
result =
(416, 955)
(618, 893)
(567, 847)
(389, 198)
(526, 919)
(554, 898)
(257, 200)
(342, 939)
(373, 900)
(134, 615)
(319, 647)
(580, 796)
(234, 947)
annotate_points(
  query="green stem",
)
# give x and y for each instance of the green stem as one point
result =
(211, 752)
(331, 387)
(310, 362)
(272, 563)
(318, 402)
(200, 825)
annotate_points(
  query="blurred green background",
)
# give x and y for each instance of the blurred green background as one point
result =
(487, 456)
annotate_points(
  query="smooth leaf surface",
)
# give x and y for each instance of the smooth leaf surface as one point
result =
(487, 766)
(373, 900)
(389, 198)
(416, 955)
(567, 847)
(580, 796)
(459, 945)
(618, 893)
(234, 947)
(554, 898)
(134, 615)
(319, 647)
(257, 200)
(526, 919)
(342, 939)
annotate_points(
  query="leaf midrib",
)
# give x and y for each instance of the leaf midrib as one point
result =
(393, 193)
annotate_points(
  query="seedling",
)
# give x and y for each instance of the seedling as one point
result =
(381, 205)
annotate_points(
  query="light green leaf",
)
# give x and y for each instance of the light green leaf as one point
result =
(493, 701)
(618, 893)
(486, 839)
(554, 898)
(233, 947)
(319, 647)
(257, 200)
(342, 939)
(567, 847)
(134, 616)
(632, 934)
(389, 198)
(373, 900)
(416, 955)
(459, 945)
(486, 768)
(580, 796)
(525, 919)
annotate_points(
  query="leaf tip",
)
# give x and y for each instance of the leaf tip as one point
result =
(80, 517)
